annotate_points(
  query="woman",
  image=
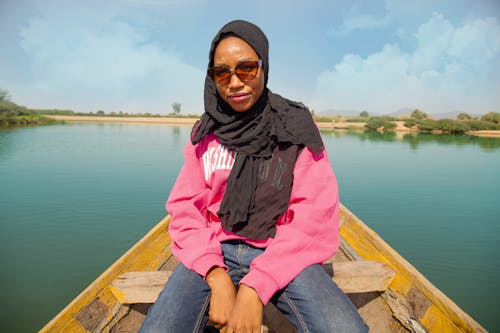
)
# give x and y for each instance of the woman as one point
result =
(255, 205)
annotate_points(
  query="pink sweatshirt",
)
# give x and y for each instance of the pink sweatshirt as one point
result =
(306, 234)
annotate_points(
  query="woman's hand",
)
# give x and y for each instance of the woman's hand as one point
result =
(222, 298)
(246, 316)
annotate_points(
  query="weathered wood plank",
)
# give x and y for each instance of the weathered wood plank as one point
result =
(362, 276)
(139, 287)
(351, 277)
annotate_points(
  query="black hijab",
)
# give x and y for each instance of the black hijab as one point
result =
(267, 139)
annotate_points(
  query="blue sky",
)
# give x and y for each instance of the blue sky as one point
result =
(143, 55)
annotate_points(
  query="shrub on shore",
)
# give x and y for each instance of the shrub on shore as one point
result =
(493, 117)
(451, 126)
(12, 115)
(55, 112)
(478, 125)
(380, 123)
(464, 123)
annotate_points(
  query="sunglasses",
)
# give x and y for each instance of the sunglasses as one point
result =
(245, 71)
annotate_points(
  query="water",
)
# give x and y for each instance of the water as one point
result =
(73, 198)
(436, 200)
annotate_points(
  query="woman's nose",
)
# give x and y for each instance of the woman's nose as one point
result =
(235, 82)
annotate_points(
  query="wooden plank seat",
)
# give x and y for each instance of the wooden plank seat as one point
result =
(350, 276)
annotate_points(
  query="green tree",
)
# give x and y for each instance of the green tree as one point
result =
(12, 115)
(410, 123)
(379, 123)
(493, 117)
(176, 106)
(419, 114)
(364, 114)
(4, 96)
(478, 125)
(451, 126)
(427, 125)
(100, 113)
(464, 116)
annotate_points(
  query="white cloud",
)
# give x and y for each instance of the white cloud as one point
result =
(451, 68)
(360, 22)
(433, 40)
(104, 63)
(477, 42)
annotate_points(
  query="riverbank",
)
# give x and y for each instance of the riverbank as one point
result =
(156, 120)
(486, 134)
(189, 121)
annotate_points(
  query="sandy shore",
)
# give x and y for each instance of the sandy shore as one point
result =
(189, 121)
(156, 120)
(340, 125)
(488, 134)
(164, 120)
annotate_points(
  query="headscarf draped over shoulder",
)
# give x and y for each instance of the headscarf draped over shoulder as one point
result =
(267, 139)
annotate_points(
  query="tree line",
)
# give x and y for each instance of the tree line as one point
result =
(422, 122)
(176, 112)
(12, 114)
(462, 124)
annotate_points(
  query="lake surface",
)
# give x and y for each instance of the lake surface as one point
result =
(74, 197)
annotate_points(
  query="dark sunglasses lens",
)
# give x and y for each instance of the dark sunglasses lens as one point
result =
(220, 74)
(247, 70)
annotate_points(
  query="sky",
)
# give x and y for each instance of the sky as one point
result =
(141, 56)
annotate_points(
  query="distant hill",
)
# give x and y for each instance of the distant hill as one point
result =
(441, 115)
(453, 115)
(338, 112)
(402, 112)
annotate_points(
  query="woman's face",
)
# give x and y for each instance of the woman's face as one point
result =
(241, 96)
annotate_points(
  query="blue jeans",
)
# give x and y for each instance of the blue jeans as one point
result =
(312, 301)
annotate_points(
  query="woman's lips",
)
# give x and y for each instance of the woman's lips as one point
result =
(239, 98)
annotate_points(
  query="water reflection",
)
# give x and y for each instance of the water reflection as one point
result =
(413, 202)
(176, 131)
(3, 142)
(176, 135)
(415, 140)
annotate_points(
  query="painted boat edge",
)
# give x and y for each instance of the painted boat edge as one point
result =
(437, 311)
(146, 254)
(441, 314)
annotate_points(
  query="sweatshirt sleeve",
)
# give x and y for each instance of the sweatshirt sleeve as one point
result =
(309, 234)
(194, 242)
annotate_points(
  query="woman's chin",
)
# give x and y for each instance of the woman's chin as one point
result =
(240, 107)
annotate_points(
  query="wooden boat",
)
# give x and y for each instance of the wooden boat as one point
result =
(407, 303)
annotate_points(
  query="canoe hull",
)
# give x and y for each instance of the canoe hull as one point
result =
(411, 303)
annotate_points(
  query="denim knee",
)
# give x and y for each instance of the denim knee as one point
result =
(181, 306)
(314, 303)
